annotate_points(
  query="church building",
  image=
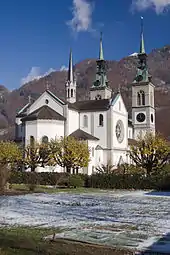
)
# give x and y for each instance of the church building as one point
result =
(103, 120)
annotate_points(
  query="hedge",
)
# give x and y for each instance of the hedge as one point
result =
(102, 181)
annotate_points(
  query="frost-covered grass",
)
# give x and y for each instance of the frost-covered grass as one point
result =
(131, 219)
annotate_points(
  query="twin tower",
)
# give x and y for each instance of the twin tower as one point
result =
(143, 110)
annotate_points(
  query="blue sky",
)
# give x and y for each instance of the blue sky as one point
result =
(36, 35)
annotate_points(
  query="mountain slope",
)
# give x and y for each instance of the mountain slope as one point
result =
(120, 73)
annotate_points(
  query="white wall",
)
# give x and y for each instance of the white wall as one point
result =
(73, 121)
(130, 132)
(30, 130)
(39, 128)
(19, 128)
(119, 112)
(55, 105)
(51, 128)
(92, 145)
(101, 131)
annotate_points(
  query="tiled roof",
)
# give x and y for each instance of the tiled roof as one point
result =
(44, 113)
(80, 134)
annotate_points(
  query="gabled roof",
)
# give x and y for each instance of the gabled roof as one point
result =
(55, 97)
(23, 111)
(80, 134)
(44, 113)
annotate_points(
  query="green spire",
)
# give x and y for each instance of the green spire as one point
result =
(142, 43)
(142, 68)
(101, 55)
(101, 72)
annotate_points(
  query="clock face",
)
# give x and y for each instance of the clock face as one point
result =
(120, 131)
(140, 117)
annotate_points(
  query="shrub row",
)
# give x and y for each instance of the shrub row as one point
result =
(102, 181)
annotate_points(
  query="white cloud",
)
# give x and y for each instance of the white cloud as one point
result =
(35, 74)
(82, 16)
(64, 68)
(158, 5)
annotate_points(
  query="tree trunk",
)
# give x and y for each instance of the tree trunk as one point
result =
(68, 169)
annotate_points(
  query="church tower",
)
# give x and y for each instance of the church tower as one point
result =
(71, 82)
(100, 88)
(143, 109)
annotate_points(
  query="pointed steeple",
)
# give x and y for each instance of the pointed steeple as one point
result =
(70, 85)
(101, 72)
(101, 55)
(142, 68)
(70, 68)
(142, 43)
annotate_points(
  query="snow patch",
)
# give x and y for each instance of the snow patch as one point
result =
(133, 219)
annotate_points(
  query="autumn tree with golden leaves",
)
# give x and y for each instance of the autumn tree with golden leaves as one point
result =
(69, 153)
(37, 155)
(150, 153)
(10, 154)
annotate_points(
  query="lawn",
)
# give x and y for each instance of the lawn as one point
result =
(29, 241)
(51, 190)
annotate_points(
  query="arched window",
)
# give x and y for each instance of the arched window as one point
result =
(71, 92)
(143, 97)
(32, 141)
(101, 120)
(68, 93)
(85, 121)
(139, 99)
(45, 139)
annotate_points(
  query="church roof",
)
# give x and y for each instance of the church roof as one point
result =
(23, 111)
(91, 105)
(80, 134)
(44, 113)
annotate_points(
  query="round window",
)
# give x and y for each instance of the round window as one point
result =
(46, 101)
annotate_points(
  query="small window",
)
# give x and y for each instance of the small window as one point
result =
(143, 97)
(85, 121)
(92, 152)
(101, 120)
(71, 92)
(46, 101)
(68, 93)
(45, 139)
(138, 99)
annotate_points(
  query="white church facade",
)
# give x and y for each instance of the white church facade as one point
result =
(103, 120)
